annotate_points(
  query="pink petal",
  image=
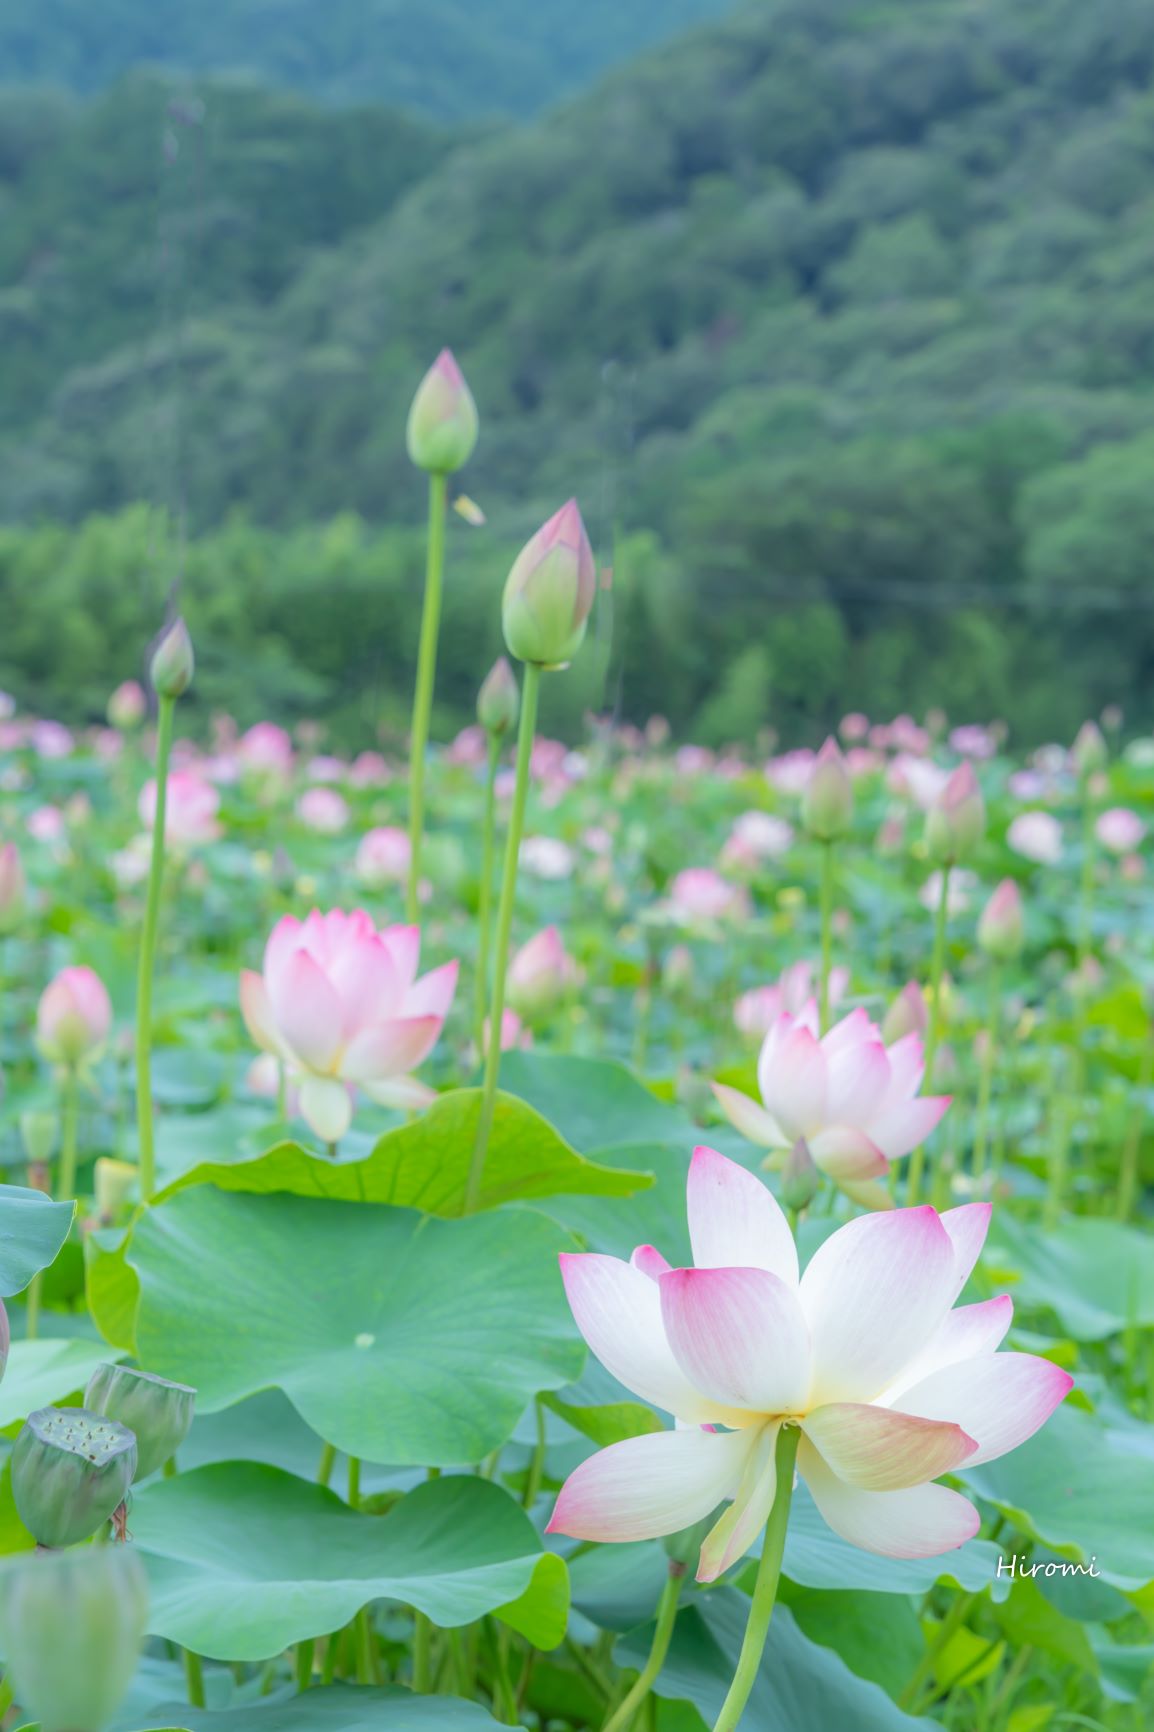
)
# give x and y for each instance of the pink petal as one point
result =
(1000, 1398)
(870, 1193)
(793, 1085)
(650, 1486)
(257, 1012)
(734, 1220)
(404, 946)
(898, 1129)
(919, 1523)
(618, 1311)
(432, 995)
(965, 1332)
(650, 1262)
(907, 1067)
(364, 978)
(853, 1030)
(739, 1336)
(283, 942)
(307, 1011)
(845, 1153)
(735, 1531)
(390, 1049)
(402, 1092)
(874, 1293)
(878, 1450)
(859, 1080)
(967, 1227)
(749, 1117)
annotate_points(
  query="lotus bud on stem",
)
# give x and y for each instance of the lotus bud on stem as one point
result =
(498, 703)
(440, 435)
(545, 610)
(1001, 934)
(171, 674)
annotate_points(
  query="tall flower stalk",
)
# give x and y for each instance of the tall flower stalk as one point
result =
(1001, 934)
(441, 434)
(171, 674)
(765, 1588)
(544, 613)
(827, 811)
(497, 704)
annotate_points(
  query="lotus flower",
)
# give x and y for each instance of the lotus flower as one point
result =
(74, 1017)
(889, 1384)
(1036, 836)
(756, 1011)
(1120, 830)
(540, 974)
(383, 856)
(190, 809)
(853, 1099)
(339, 1003)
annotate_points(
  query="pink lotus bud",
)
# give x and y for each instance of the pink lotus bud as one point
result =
(172, 662)
(74, 1017)
(1120, 830)
(128, 706)
(800, 1179)
(442, 426)
(549, 592)
(1002, 926)
(540, 975)
(12, 886)
(499, 699)
(383, 857)
(855, 726)
(956, 822)
(827, 802)
(1089, 751)
(906, 1015)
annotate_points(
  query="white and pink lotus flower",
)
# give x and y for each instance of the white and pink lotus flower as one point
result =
(890, 1385)
(340, 1005)
(853, 1099)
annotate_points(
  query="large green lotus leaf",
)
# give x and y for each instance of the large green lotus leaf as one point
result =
(816, 1557)
(1097, 1276)
(800, 1684)
(656, 1217)
(398, 1337)
(111, 1287)
(885, 1650)
(42, 1372)
(425, 1164)
(32, 1230)
(1085, 1489)
(333, 1709)
(595, 1103)
(244, 1559)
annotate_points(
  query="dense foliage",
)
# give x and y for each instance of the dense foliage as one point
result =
(847, 309)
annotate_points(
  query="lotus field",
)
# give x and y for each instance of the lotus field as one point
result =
(500, 1233)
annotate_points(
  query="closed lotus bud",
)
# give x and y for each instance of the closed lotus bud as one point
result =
(72, 1625)
(442, 426)
(549, 592)
(800, 1179)
(39, 1132)
(13, 886)
(499, 699)
(74, 1017)
(956, 822)
(906, 1015)
(539, 976)
(157, 1411)
(128, 706)
(173, 662)
(114, 1183)
(827, 802)
(70, 1470)
(1089, 751)
(1002, 926)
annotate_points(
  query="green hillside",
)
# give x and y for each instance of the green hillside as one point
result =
(848, 307)
(448, 58)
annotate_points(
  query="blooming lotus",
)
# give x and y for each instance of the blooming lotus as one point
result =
(1036, 836)
(889, 1384)
(756, 1011)
(853, 1099)
(190, 809)
(383, 856)
(700, 893)
(1120, 830)
(323, 810)
(339, 1003)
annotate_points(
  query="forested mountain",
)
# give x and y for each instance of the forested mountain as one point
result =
(448, 58)
(848, 308)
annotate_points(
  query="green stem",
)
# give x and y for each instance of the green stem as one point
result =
(529, 694)
(954, 1618)
(422, 1653)
(485, 899)
(765, 1589)
(325, 1469)
(986, 1074)
(306, 1654)
(354, 1482)
(69, 1108)
(826, 929)
(1128, 1169)
(32, 1307)
(194, 1673)
(1064, 1110)
(1089, 861)
(933, 1034)
(363, 1633)
(621, 1718)
(147, 959)
(423, 695)
(537, 1462)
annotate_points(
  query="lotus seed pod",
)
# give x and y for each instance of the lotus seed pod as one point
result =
(70, 1471)
(72, 1625)
(157, 1411)
(173, 662)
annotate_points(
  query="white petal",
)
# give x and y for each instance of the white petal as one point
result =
(739, 1336)
(919, 1523)
(326, 1107)
(650, 1486)
(735, 1531)
(1001, 1399)
(735, 1222)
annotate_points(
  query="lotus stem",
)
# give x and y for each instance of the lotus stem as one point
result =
(144, 1125)
(1128, 1169)
(986, 1072)
(66, 1184)
(827, 864)
(423, 695)
(194, 1674)
(933, 1034)
(765, 1589)
(526, 729)
(485, 898)
(622, 1716)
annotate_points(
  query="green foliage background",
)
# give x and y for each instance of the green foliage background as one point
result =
(837, 319)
